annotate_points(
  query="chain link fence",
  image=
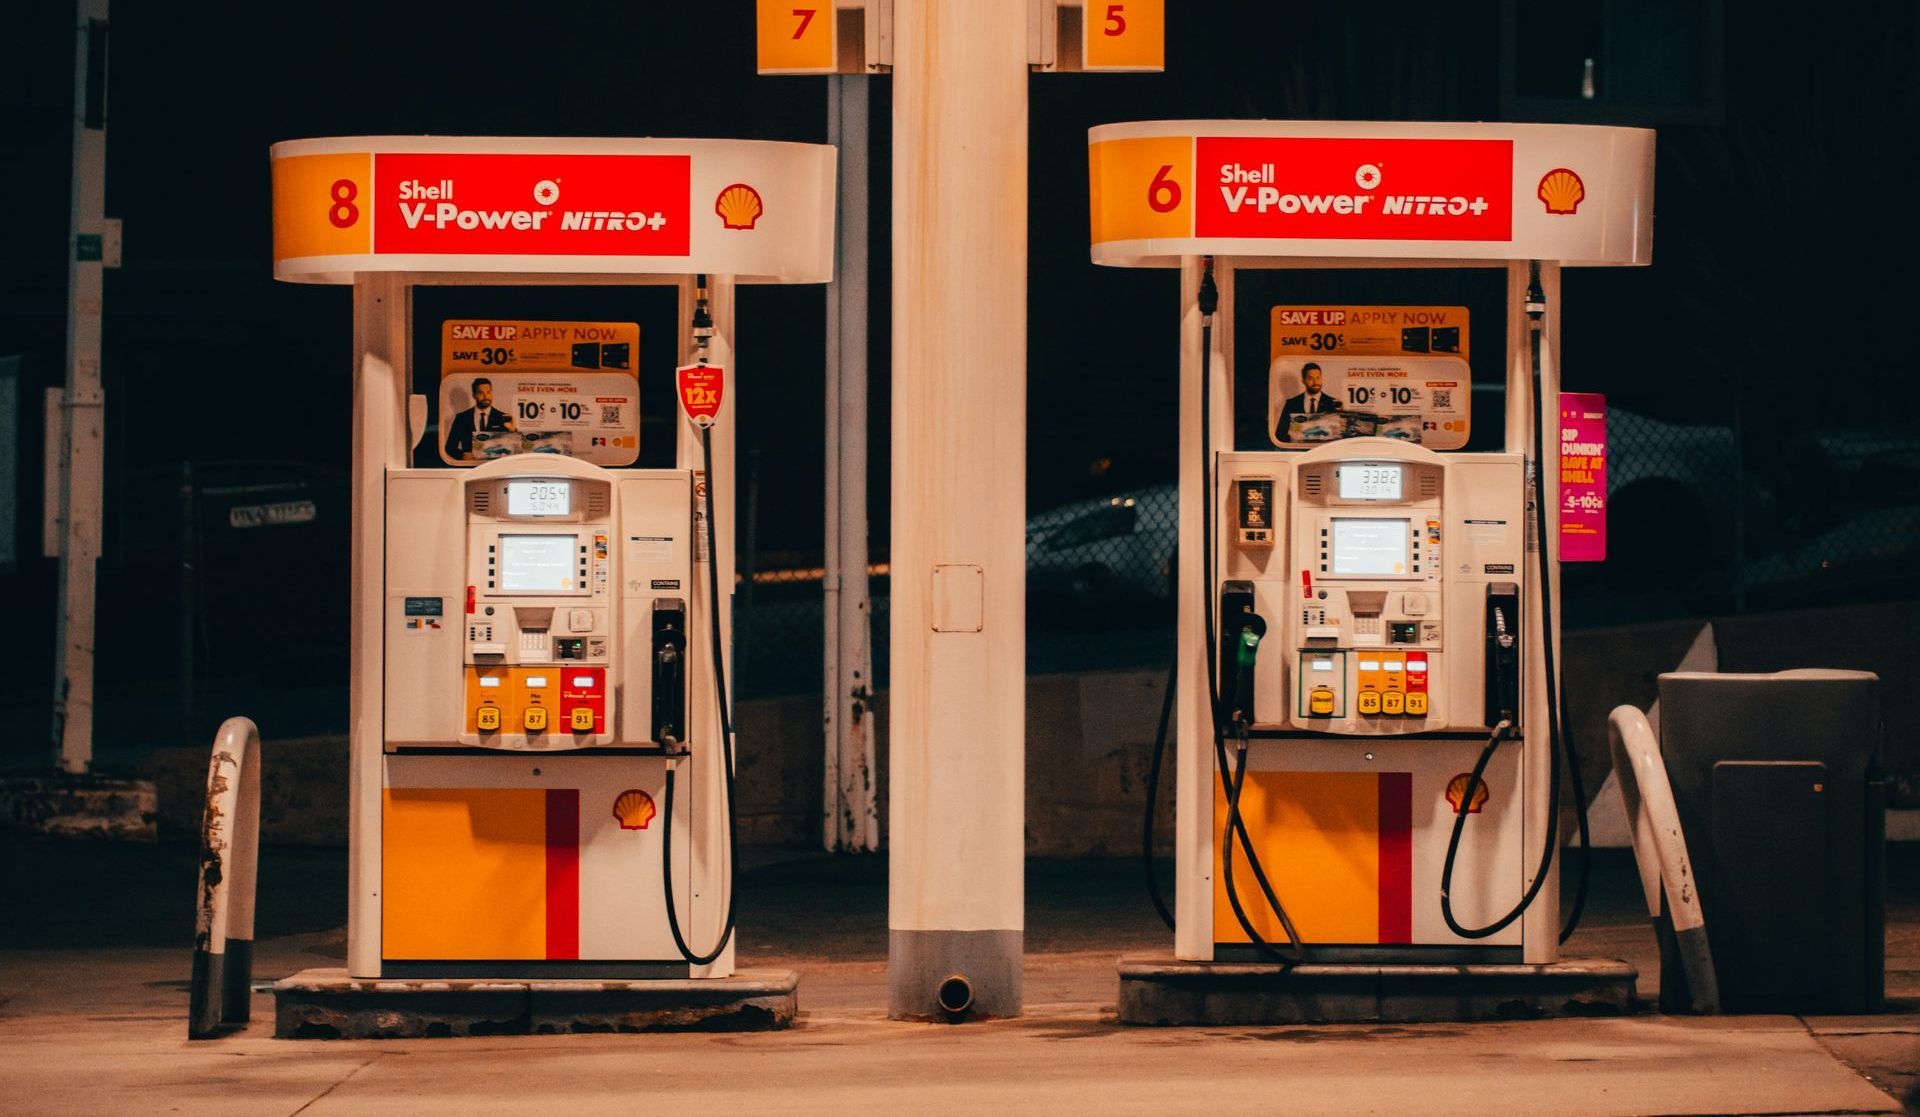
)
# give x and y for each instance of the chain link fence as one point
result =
(1704, 519)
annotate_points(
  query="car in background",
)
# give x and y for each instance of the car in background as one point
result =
(1107, 550)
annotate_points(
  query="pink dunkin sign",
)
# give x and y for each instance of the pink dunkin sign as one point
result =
(1583, 477)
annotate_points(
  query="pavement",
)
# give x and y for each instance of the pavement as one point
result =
(94, 957)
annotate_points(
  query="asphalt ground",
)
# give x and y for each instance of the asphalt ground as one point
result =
(94, 953)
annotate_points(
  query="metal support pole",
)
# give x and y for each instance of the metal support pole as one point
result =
(703, 771)
(1194, 774)
(957, 751)
(186, 682)
(82, 427)
(1540, 926)
(851, 795)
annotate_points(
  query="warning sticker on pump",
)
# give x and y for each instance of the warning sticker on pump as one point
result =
(515, 387)
(1386, 371)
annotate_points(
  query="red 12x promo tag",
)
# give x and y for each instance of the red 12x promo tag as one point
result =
(700, 390)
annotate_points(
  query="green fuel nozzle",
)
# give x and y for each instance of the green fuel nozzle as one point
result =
(1247, 648)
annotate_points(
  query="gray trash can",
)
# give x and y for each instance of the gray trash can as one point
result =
(1777, 779)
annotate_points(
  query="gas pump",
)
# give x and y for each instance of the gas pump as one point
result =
(1368, 744)
(542, 744)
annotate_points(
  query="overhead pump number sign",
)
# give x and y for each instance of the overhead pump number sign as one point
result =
(796, 37)
(1162, 191)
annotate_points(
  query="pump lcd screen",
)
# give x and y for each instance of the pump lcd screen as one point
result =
(1369, 481)
(537, 563)
(1369, 547)
(538, 498)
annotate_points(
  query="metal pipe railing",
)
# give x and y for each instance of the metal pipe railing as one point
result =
(1660, 849)
(220, 994)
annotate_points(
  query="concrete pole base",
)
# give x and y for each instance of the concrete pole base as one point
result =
(88, 806)
(954, 975)
(1168, 991)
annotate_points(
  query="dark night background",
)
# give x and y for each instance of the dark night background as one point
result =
(1778, 299)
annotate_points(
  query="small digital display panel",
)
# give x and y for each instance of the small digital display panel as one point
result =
(1369, 481)
(1370, 547)
(423, 607)
(537, 563)
(539, 498)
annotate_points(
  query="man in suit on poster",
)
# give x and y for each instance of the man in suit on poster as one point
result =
(482, 416)
(1312, 401)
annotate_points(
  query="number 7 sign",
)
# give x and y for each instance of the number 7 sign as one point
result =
(797, 37)
(1127, 35)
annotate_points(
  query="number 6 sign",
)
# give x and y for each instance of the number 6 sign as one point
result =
(1127, 36)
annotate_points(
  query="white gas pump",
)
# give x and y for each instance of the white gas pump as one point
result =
(540, 629)
(1366, 711)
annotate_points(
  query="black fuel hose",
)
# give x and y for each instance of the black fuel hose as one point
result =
(1233, 774)
(726, 741)
(1560, 742)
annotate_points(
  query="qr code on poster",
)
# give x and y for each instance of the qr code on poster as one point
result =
(609, 414)
(1443, 399)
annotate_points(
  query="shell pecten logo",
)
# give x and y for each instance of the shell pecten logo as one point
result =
(1561, 191)
(634, 808)
(1457, 794)
(739, 206)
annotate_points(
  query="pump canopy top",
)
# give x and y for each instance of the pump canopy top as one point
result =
(759, 211)
(1337, 191)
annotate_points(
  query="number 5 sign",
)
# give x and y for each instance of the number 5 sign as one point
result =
(1129, 35)
(797, 37)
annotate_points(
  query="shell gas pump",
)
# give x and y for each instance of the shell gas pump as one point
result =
(542, 748)
(1368, 743)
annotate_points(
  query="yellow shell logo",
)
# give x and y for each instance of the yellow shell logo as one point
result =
(1561, 190)
(1457, 791)
(634, 809)
(738, 206)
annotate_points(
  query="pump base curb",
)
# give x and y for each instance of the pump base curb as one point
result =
(81, 806)
(1159, 990)
(327, 1004)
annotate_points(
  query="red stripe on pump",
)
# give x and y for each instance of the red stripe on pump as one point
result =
(1396, 857)
(563, 874)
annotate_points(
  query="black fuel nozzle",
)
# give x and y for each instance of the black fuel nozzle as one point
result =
(1209, 293)
(702, 314)
(669, 673)
(1246, 651)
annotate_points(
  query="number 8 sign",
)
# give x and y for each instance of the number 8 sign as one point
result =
(1130, 35)
(319, 205)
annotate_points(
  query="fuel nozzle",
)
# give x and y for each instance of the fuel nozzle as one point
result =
(1246, 651)
(1248, 646)
(702, 315)
(1209, 292)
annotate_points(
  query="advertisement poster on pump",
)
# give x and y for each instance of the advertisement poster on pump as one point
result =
(1583, 477)
(1385, 371)
(511, 387)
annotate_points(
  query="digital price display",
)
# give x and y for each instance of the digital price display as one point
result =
(1369, 481)
(539, 498)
